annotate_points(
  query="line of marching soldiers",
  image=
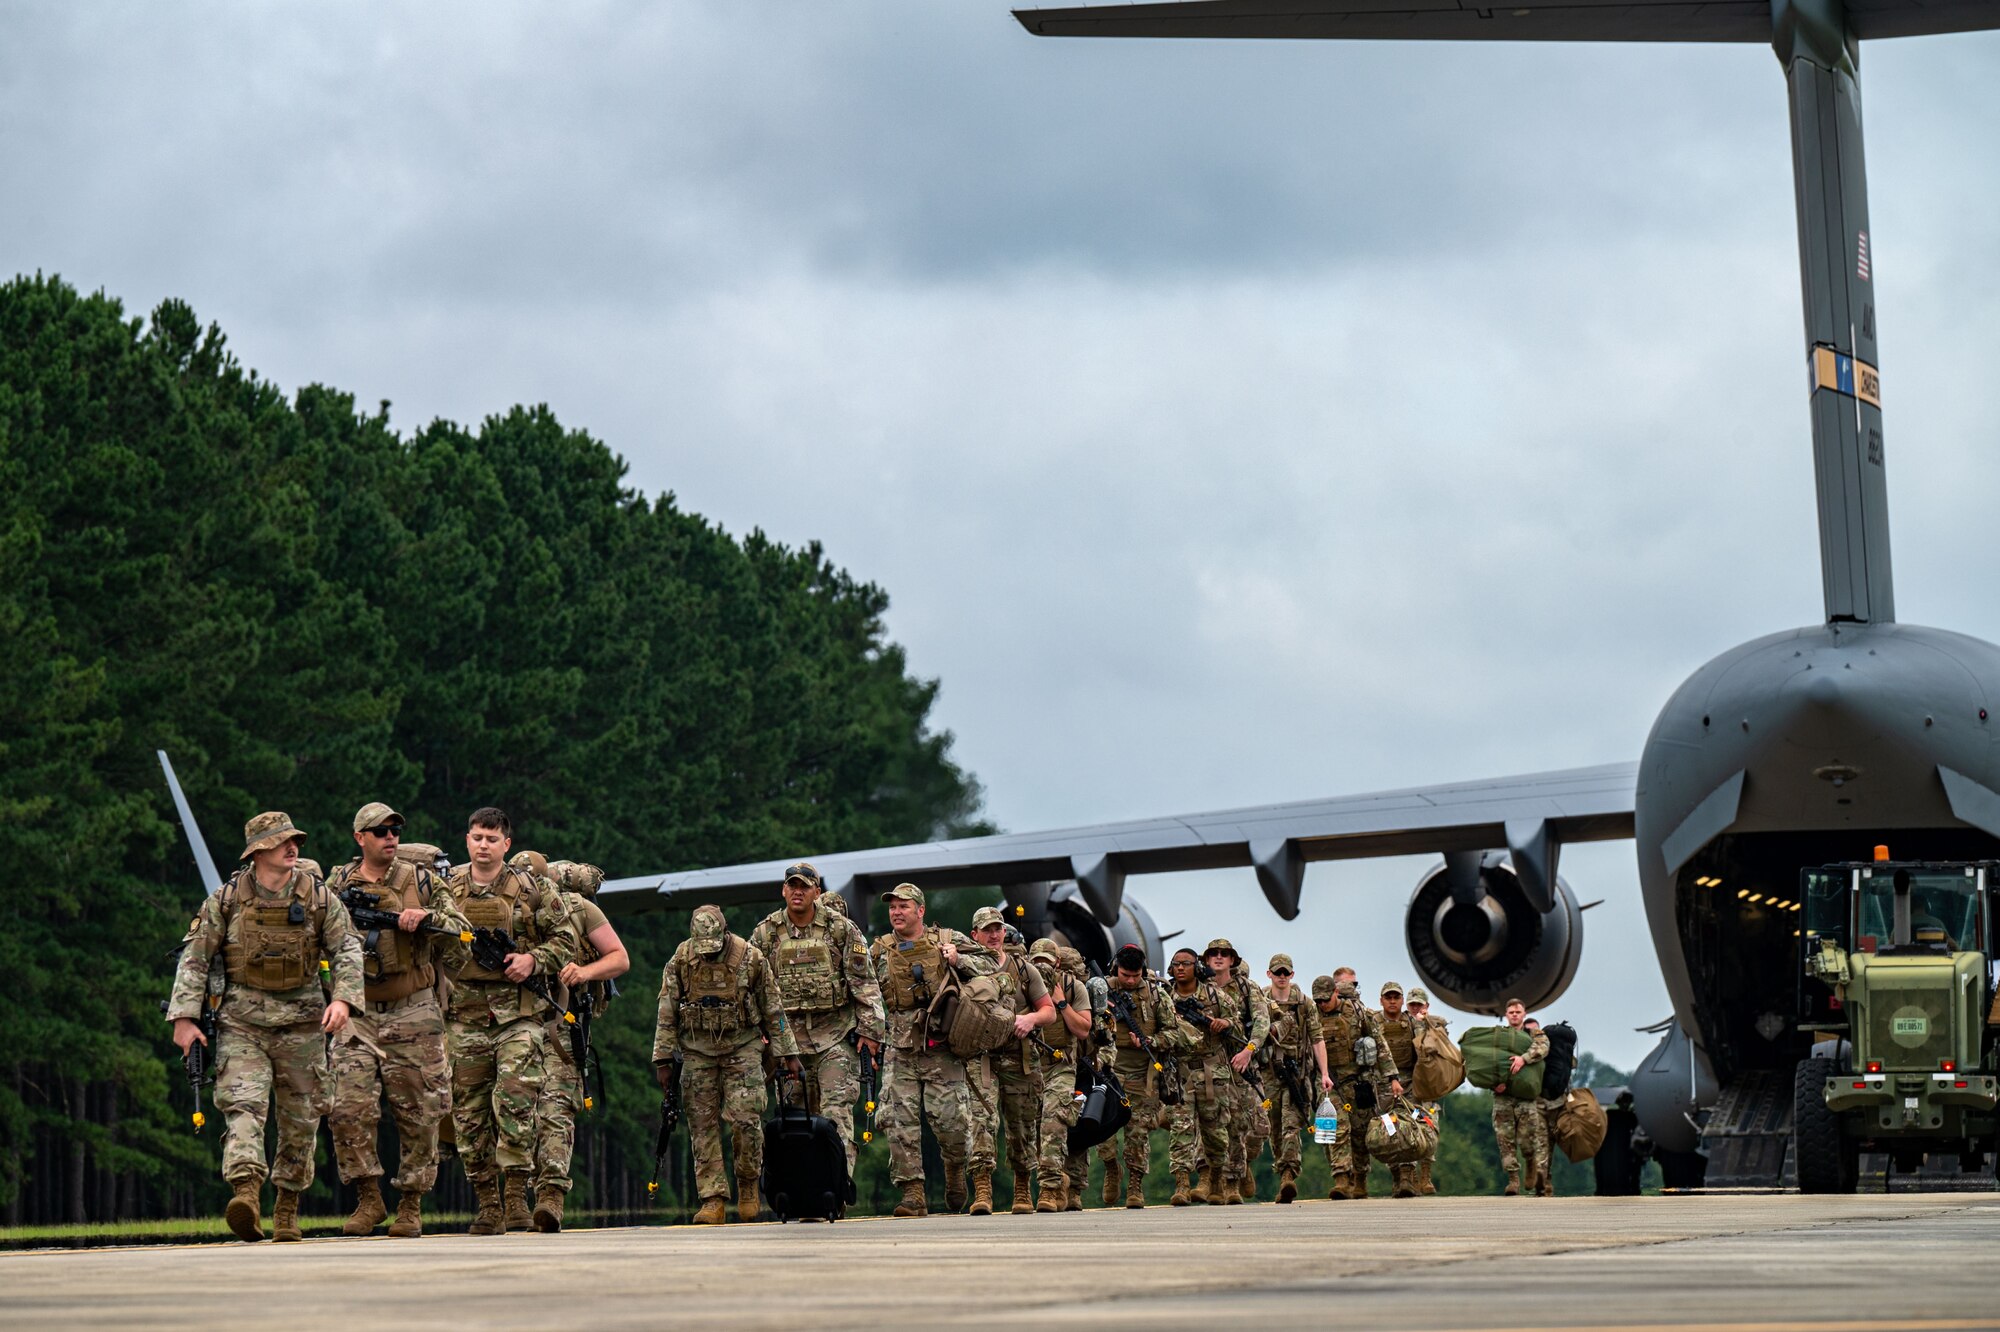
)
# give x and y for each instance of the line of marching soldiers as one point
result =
(463, 997)
(1221, 1063)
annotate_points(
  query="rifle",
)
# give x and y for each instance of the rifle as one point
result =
(580, 1052)
(1190, 1008)
(670, 1115)
(365, 910)
(871, 1088)
(195, 1061)
(1292, 1073)
(490, 947)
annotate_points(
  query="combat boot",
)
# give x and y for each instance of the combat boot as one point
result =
(1112, 1182)
(516, 1201)
(982, 1193)
(1361, 1183)
(1288, 1187)
(1512, 1190)
(241, 1213)
(1024, 1201)
(1052, 1195)
(409, 1222)
(1135, 1188)
(548, 1209)
(1405, 1178)
(1424, 1185)
(368, 1209)
(1197, 1187)
(285, 1218)
(1211, 1186)
(749, 1207)
(489, 1220)
(1232, 1193)
(1343, 1187)
(954, 1188)
(712, 1211)
(913, 1203)
(1545, 1185)
(1180, 1198)
(1072, 1190)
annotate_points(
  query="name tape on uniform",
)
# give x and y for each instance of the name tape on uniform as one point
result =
(1844, 374)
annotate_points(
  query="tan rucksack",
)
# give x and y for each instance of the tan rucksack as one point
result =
(1440, 1066)
(1399, 1133)
(970, 1015)
(1579, 1125)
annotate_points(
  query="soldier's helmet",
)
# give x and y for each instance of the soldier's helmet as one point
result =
(710, 927)
(1072, 960)
(1014, 937)
(835, 903)
(268, 831)
(532, 861)
(573, 876)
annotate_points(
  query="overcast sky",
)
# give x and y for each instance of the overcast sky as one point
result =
(1230, 422)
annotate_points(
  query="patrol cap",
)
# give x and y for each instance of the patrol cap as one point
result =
(1045, 948)
(1417, 995)
(375, 813)
(1222, 946)
(987, 915)
(802, 870)
(1280, 962)
(909, 892)
(1391, 987)
(1322, 988)
(709, 927)
(268, 830)
(1346, 989)
(533, 861)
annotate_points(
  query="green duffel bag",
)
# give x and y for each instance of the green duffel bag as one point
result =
(1489, 1052)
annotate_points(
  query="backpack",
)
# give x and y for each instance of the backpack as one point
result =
(1400, 1133)
(1579, 1125)
(1561, 1063)
(1440, 1067)
(1489, 1051)
(970, 1015)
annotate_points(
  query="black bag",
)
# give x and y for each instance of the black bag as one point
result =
(1561, 1062)
(1105, 1109)
(805, 1165)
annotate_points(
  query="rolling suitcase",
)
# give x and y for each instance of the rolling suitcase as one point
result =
(805, 1166)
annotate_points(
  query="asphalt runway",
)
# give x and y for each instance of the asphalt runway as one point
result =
(1772, 1263)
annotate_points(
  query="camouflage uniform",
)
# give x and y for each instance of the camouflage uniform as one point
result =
(395, 1043)
(1143, 1082)
(1248, 1127)
(494, 1028)
(1521, 1130)
(1294, 1032)
(917, 1079)
(1200, 1123)
(831, 998)
(1344, 1024)
(1010, 1077)
(1060, 1172)
(269, 1047)
(562, 1093)
(1401, 1032)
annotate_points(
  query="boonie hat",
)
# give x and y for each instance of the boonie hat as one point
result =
(1222, 946)
(909, 892)
(268, 830)
(373, 814)
(709, 927)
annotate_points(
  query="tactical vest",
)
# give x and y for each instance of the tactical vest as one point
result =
(1057, 1033)
(1339, 1029)
(394, 965)
(1400, 1035)
(808, 965)
(714, 1000)
(1143, 1006)
(903, 990)
(1288, 1023)
(508, 904)
(276, 945)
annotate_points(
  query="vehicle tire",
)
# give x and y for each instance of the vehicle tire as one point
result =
(1826, 1161)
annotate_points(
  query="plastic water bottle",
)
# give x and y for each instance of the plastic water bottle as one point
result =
(1326, 1122)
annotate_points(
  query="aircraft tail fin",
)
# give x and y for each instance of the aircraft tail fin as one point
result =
(211, 877)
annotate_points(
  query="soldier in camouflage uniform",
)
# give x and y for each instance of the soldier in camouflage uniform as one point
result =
(1518, 1125)
(1249, 1029)
(280, 935)
(395, 1043)
(917, 1077)
(833, 1003)
(719, 1005)
(494, 1024)
(1200, 1123)
(1419, 1009)
(1010, 1077)
(1141, 1008)
(1061, 1172)
(1295, 1037)
(1399, 1034)
(601, 959)
(1358, 1059)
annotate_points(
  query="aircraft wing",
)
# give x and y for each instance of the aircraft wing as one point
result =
(1526, 814)
(1533, 20)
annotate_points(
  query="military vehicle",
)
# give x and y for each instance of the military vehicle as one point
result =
(1895, 988)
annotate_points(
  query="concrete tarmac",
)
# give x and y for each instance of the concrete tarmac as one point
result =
(1772, 1263)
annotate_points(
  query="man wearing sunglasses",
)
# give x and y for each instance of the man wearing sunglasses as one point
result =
(1198, 1148)
(395, 1043)
(1251, 1020)
(1295, 1036)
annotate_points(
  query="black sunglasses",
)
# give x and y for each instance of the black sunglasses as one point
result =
(385, 830)
(1281, 971)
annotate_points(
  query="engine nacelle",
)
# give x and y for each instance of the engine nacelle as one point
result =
(1057, 911)
(1477, 941)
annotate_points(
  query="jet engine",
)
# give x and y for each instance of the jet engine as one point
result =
(1057, 911)
(1478, 939)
